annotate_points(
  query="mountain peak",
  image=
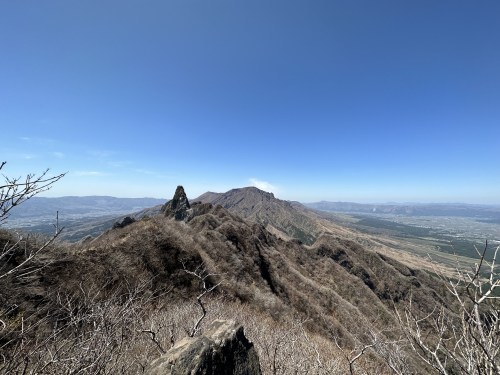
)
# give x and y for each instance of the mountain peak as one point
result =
(252, 190)
(276, 215)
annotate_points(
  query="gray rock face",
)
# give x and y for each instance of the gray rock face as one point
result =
(222, 350)
(179, 206)
(127, 220)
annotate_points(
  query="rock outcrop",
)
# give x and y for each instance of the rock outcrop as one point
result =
(222, 350)
(127, 220)
(179, 207)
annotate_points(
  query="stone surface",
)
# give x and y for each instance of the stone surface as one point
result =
(127, 220)
(223, 349)
(179, 207)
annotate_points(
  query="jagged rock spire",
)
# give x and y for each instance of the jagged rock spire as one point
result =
(179, 206)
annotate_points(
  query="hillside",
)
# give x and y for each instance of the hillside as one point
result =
(339, 290)
(84, 217)
(293, 220)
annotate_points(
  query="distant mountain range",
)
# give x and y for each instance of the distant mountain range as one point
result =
(79, 216)
(91, 206)
(427, 209)
(248, 202)
(92, 215)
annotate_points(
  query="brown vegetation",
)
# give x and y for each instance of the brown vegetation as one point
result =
(114, 304)
(334, 292)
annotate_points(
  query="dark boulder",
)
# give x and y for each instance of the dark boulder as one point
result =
(127, 220)
(222, 350)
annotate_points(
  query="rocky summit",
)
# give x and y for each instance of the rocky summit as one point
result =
(278, 216)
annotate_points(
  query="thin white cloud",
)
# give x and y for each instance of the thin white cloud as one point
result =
(89, 174)
(119, 164)
(263, 185)
(58, 155)
(37, 141)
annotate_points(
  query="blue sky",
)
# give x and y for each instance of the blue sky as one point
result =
(368, 101)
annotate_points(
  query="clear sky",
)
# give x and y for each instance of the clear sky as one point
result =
(368, 101)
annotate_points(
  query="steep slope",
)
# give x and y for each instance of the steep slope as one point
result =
(289, 220)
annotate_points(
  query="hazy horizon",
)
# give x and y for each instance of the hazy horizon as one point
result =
(363, 102)
(192, 197)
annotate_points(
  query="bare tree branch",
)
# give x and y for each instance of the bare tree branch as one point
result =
(201, 274)
(15, 191)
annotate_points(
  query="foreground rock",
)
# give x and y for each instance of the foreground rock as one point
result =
(223, 350)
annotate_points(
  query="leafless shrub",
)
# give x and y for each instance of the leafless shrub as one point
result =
(15, 191)
(364, 357)
(466, 340)
(88, 332)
